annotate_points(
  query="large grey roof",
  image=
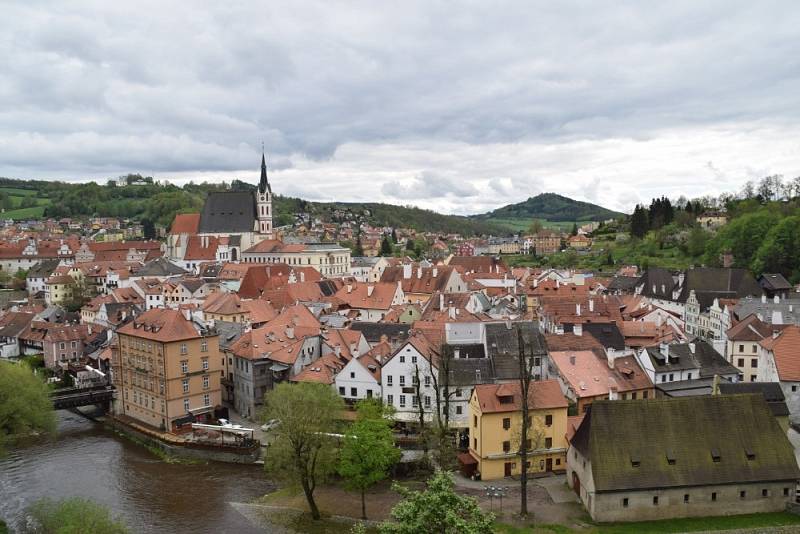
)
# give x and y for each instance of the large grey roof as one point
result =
(709, 283)
(43, 269)
(771, 391)
(787, 311)
(502, 344)
(228, 212)
(628, 443)
(160, 267)
(704, 357)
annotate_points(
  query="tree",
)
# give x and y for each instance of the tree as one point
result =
(25, 406)
(394, 236)
(28, 201)
(574, 229)
(437, 509)
(148, 229)
(779, 251)
(386, 247)
(531, 352)
(73, 516)
(368, 451)
(639, 222)
(442, 396)
(303, 451)
(358, 250)
(535, 227)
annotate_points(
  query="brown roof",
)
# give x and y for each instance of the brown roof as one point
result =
(786, 348)
(478, 264)
(422, 279)
(160, 324)
(196, 251)
(541, 396)
(358, 295)
(751, 328)
(589, 375)
(185, 223)
(323, 370)
(569, 341)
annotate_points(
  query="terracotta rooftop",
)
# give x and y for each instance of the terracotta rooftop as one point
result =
(542, 395)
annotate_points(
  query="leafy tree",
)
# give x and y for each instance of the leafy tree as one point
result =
(28, 201)
(394, 236)
(73, 516)
(535, 227)
(303, 452)
(386, 247)
(358, 250)
(696, 242)
(742, 236)
(779, 252)
(437, 509)
(25, 406)
(574, 229)
(368, 451)
(148, 229)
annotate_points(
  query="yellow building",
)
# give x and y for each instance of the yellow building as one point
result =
(167, 371)
(495, 418)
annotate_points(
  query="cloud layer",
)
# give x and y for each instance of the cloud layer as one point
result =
(456, 107)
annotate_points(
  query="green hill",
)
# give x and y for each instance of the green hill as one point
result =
(549, 208)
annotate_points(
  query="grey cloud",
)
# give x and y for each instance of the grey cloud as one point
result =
(429, 185)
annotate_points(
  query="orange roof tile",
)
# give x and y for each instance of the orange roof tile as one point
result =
(542, 395)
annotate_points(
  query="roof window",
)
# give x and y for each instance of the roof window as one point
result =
(670, 456)
(636, 461)
(715, 455)
(750, 453)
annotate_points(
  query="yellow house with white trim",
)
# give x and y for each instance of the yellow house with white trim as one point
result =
(495, 419)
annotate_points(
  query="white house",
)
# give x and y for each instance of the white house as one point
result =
(359, 379)
(415, 357)
(779, 361)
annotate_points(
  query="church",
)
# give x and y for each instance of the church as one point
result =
(231, 222)
(238, 226)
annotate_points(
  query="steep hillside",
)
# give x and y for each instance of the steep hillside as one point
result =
(551, 207)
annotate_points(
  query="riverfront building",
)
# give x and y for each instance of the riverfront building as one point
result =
(167, 370)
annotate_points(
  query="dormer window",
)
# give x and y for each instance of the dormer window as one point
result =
(715, 455)
(636, 461)
(670, 457)
(750, 453)
(506, 399)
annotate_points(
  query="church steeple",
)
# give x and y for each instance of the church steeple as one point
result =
(263, 184)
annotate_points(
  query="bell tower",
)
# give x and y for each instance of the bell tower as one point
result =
(264, 202)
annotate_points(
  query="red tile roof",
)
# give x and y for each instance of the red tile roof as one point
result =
(185, 223)
(160, 324)
(786, 348)
(542, 395)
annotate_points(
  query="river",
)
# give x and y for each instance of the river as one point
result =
(84, 459)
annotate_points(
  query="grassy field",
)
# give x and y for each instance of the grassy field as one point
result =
(16, 196)
(24, 213)
(16, 191)
(522, 225)
(690, 524)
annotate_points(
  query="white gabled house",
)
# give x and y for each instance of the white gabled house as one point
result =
(399, 373)
(359, 379)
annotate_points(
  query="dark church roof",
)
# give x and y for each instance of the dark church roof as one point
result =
(228, 212)
(263, 184)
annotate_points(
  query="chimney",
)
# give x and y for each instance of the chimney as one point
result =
(557, 283)
(451, 311)
(349, 288)
(370, 290)
(441, 301)
(419, 272)
(572, 359)
(763, 299)
(611, 355)
(187, 314)
(406, 270)
(89, 329)
(290, 332)
(354, 350)
(578, 309)
(664, 349)
(591, 305)
(776, 299)
(692, 347)
(478, 376)
(338, 350)
(435, 272)
(302, 276)
(535, 283)
(577, 329)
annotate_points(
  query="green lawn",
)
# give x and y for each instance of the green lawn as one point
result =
(690, 524)
(16, 191)
(522, 224)
(24, 213)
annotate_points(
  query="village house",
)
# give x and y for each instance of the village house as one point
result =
(495, 413)
(668, 458)
(38, 274)
(416, 359)
(744, 342)
(370, 302)
(167, 371)
(420, 283)
(779, 361)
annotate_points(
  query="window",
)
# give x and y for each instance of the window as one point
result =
(688, 376)
(475, 421)
(205, 364)
(185, 382)
(341, 392)
(354, 392)
(206, 400)
(785, 492)
(754, 347)
(506, 423)
(625, 502)
(548, 420)
(475, 443)
(740, 362)
(714, 496)
(459, 410)
(506, 446)
(388, 380)
(352, 374)
(62, 345)
(413, 359)
(205, 382)
(402, 380)
(427, 381)
(671, 377)
(183, 348)
(414, 401)
(548, 443)
(402, 359)
(389, 398)
(743, 494)
(184, 366)
(186, 404)
(765, 492)
(458, 393)
(741, 348)
(402, 401)
(204, 346)
(686, 498)
(663, 378)
(655, 500)
(753, 363)
(644, 394)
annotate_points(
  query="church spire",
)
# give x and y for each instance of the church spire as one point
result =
(263, 184)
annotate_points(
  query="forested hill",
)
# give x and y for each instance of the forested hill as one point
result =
(552, 207)
(144, 199)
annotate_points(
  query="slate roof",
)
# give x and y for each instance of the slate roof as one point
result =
(657, 283)
(396, 332)
(160, 267)
(502, 344)
(608, 334)
(623, 283)
(751, 328)
(469, 371)
(774, 282)
(709, 283)
(228, 212)
(616, 434)
(704, 357)
(771, 391)
(787, 311)
(43, 269)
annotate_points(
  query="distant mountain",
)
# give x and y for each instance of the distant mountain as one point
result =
(551, 207)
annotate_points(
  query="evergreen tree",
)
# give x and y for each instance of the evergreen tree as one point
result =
(394, 236)
(386, 247)
(358, 249)
(639, 222)
(574, 229)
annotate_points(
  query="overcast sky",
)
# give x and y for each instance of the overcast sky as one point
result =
(456, 106)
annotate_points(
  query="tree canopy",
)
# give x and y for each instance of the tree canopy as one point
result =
(303, 452)
(25, 406)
